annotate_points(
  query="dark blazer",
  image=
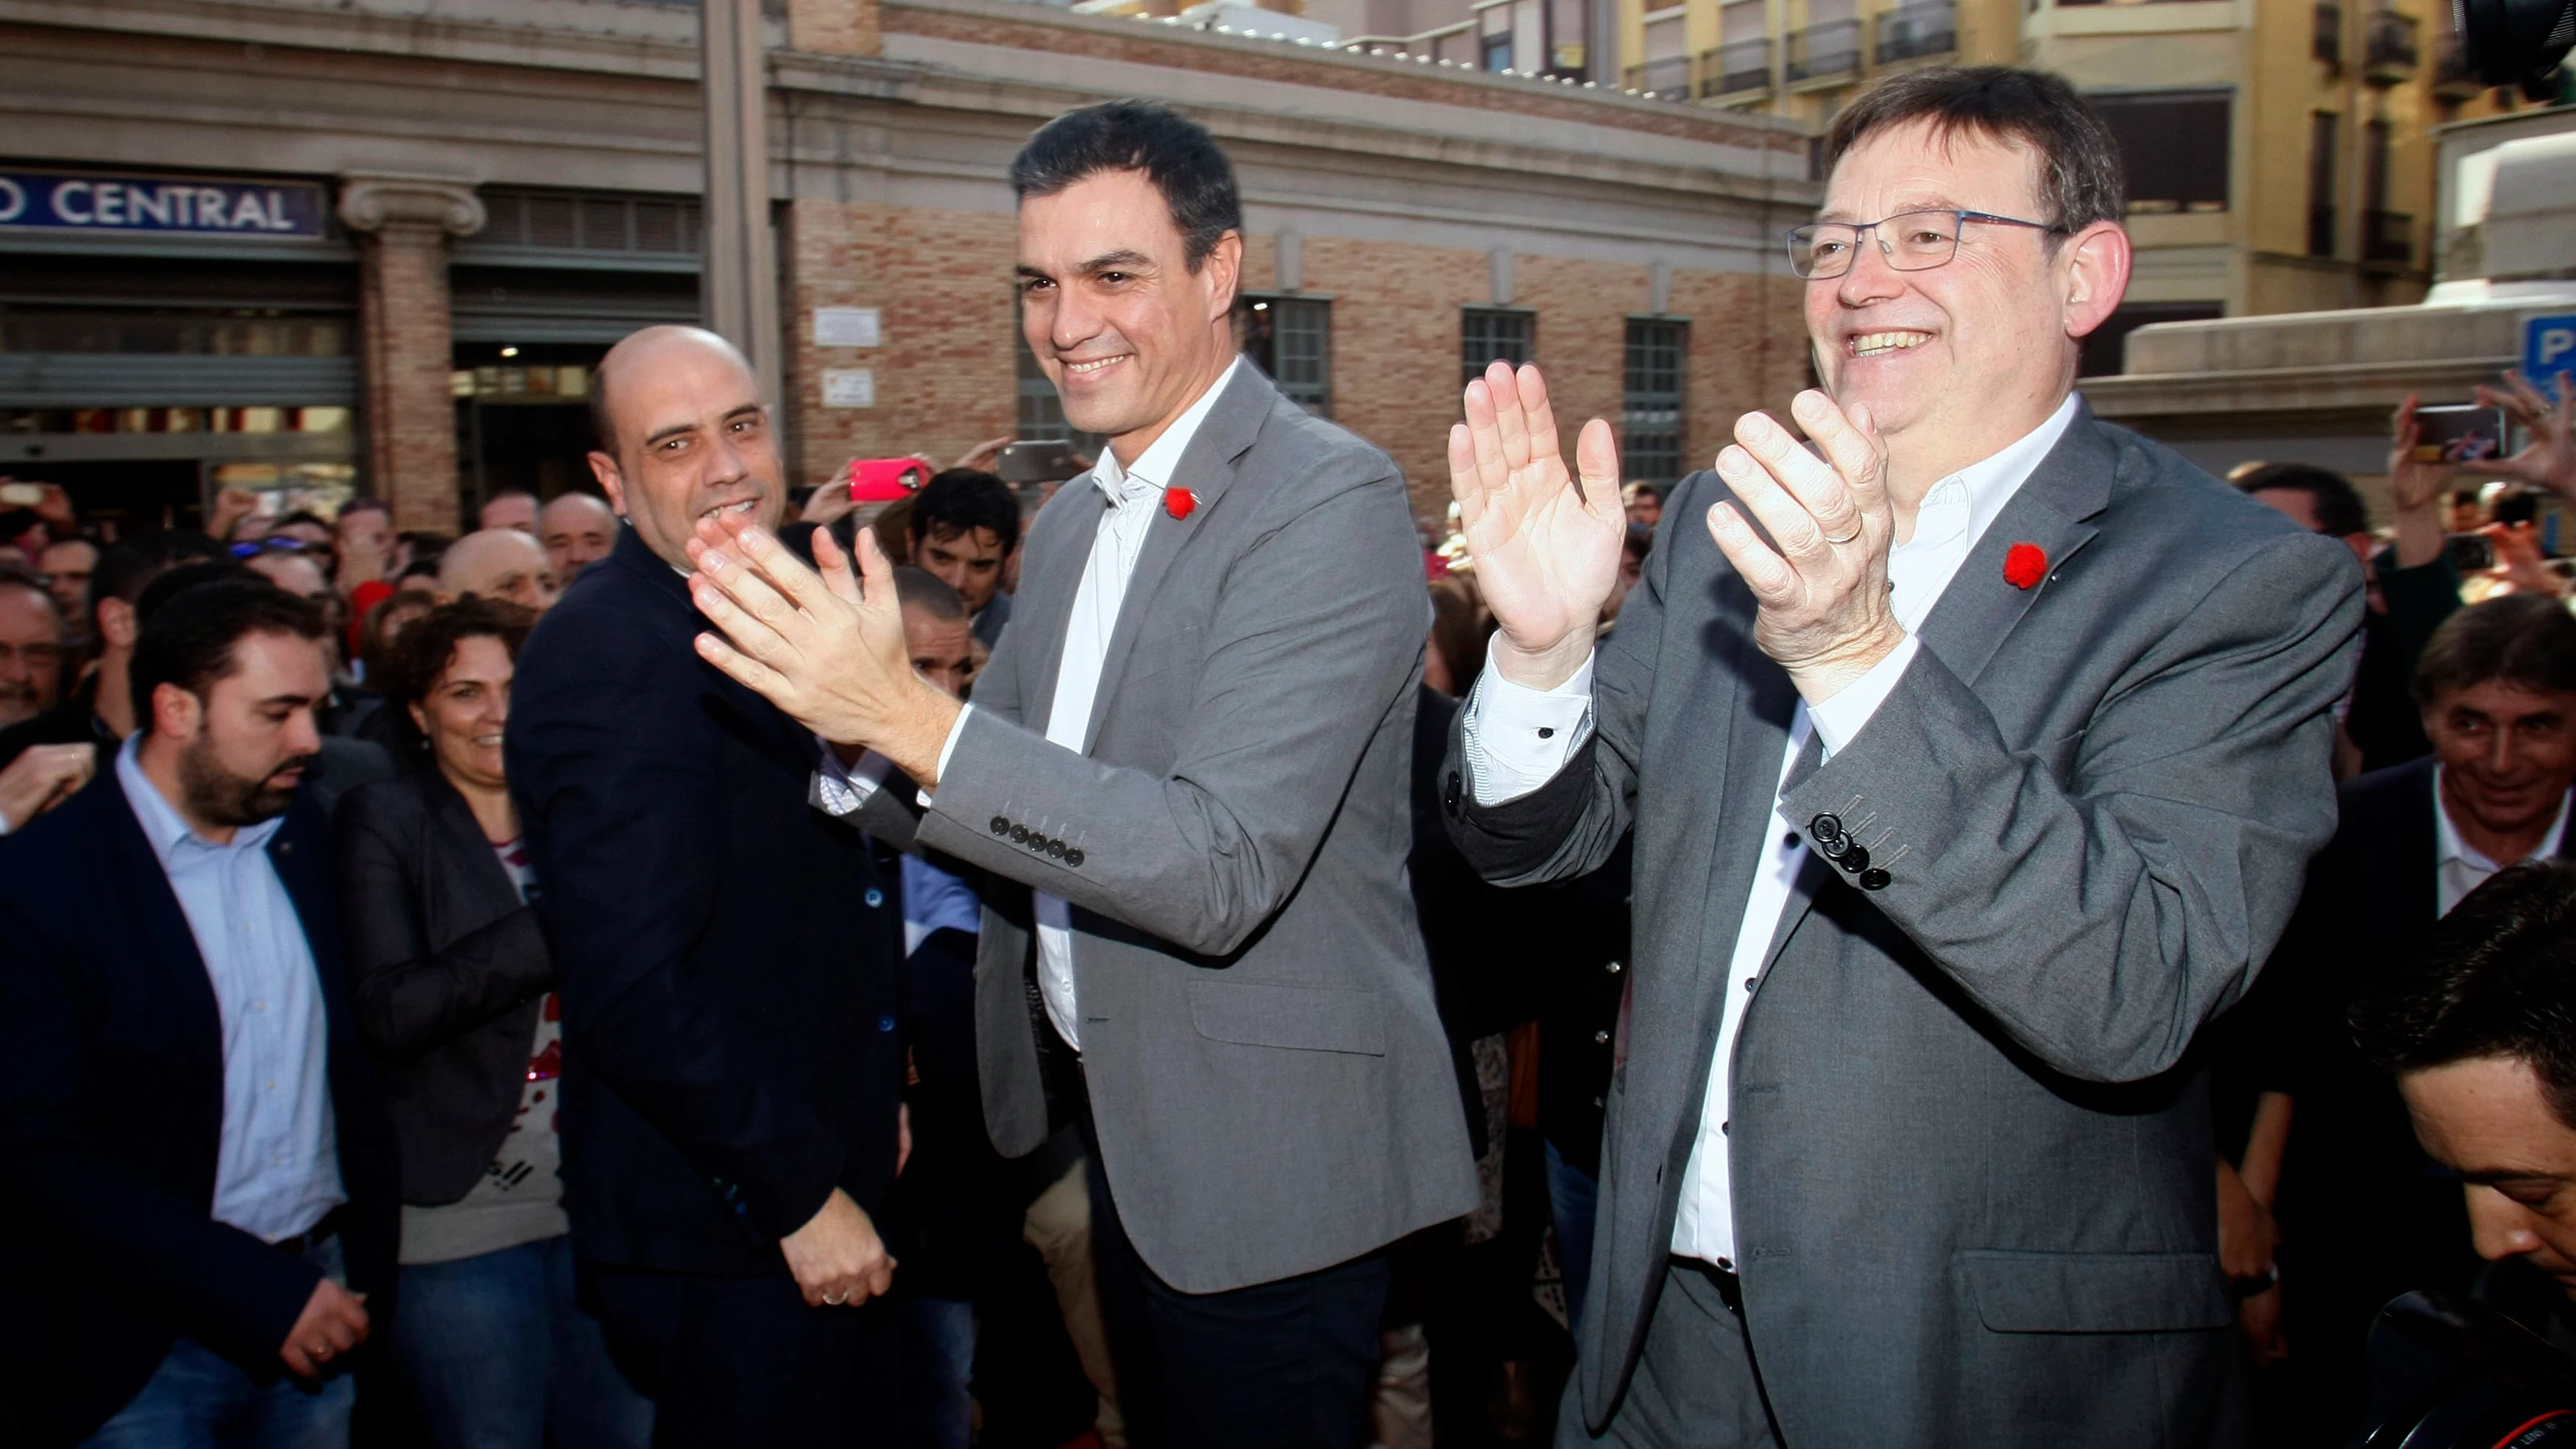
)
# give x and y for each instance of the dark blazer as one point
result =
(725, 954)
(448, 968)
(1973, 1195)
(2372, 901)
(111, 1117)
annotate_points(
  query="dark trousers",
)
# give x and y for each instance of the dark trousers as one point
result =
(738, 1361)
(1284, 1365)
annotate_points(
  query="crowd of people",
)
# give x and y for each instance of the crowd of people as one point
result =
(683, 964)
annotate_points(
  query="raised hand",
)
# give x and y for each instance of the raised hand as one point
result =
(2549, 459)
(2416, 490)
(1545, 545)
(1821, 581)
(826, 648)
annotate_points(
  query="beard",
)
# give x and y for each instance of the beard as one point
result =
(217, 795)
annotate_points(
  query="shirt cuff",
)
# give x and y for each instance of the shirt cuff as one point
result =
(840, 790)
(947, 747)
(1839, 718)
(1515, 738)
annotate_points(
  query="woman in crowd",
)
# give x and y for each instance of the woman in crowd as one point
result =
(453, 992)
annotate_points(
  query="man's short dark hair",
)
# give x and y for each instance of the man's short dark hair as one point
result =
(507, 493)
(921, 589)
(125, 566)
(2525, 640)
(2497, 980)
(301, 515)
(2081, 177)
(2331, 496)
(192, 645)
(1175, 153)
(962, 500)
(366, 504)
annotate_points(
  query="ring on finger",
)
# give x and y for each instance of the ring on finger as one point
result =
(1846, 538)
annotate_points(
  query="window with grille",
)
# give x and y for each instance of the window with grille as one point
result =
(579, 221)
(1650, 435)
(1486, 333)
(1291, 340)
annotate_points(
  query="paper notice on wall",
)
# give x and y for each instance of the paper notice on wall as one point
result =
(849, 387)
(846, 326)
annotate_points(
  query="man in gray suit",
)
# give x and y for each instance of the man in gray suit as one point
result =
(1187, 768)
(1973, 762)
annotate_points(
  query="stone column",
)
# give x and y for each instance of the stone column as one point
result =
(403, 223)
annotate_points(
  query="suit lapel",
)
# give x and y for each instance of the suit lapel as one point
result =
(176, 967)
(2051, 509)
(1043, 609)
(1206, 469)
(1757, 704)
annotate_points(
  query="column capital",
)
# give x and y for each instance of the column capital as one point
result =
(371, 201)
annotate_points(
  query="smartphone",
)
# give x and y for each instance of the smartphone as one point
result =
(2470, 552)
(2459, 433)
(884, 480)
(22, 495)
(1039, 462)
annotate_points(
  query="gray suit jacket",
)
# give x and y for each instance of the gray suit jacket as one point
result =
(1265, 1064)
(1971, 1163)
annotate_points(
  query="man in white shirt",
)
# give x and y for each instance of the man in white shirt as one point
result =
(1972, 761)
(2496, 688)
(1185, 773)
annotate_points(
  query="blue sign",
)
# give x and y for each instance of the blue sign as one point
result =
(161, 205)
(2548, 348)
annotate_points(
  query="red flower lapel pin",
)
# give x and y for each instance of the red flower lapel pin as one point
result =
(2025, 565)
(1180, 502)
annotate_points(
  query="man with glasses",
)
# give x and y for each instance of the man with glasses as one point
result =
(31, 647)
(1979, 748)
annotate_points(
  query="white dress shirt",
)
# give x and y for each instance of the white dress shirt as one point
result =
(1133, 494)
(1516, 739)
(2460, 867)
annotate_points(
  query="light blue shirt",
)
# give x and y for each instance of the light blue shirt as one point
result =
(934, 900)
(278, 1170)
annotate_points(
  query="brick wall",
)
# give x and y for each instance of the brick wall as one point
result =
(411, 414)
(833, 27)
(945, 377)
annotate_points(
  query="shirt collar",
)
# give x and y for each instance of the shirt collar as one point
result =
(1990, 483)
(1154, 467)
(2448, 846)
(161, 824)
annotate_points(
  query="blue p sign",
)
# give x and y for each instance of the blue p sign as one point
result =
(2548, 348)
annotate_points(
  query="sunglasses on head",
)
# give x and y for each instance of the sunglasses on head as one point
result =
(253, 548)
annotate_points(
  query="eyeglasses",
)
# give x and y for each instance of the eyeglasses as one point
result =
(1912, 241)
(38, 657)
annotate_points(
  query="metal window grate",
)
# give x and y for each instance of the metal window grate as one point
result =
(1651, 433)
(597, 223)
(1486, 333)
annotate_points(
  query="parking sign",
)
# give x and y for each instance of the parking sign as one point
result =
(2548, 348)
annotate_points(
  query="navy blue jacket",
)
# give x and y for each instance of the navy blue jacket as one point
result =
(111, 1118)
(725, 953)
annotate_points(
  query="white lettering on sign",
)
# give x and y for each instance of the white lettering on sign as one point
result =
(847, 326)
(849, 387)
(13, 199)
(123, 203)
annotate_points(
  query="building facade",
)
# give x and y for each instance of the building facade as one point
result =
(2279, 151)
(323, 246)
